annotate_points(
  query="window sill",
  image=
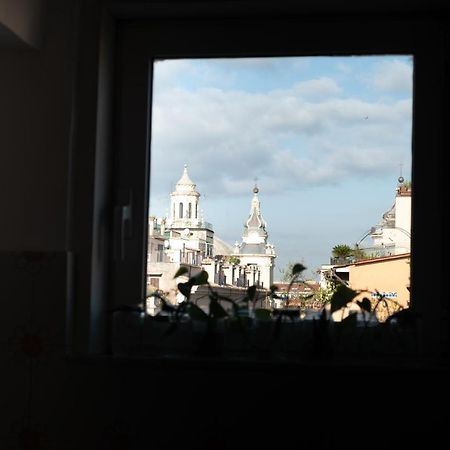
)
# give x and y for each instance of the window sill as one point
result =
(302, 345)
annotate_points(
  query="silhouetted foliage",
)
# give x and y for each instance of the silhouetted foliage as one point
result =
(327, 334)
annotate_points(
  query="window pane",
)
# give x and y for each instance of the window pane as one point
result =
(286, 160)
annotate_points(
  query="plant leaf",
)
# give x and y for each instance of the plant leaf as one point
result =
(200, 278)
(251, 292)
(181, 271)
(297, 269)
(167, 307)
(216, 310)
(185, 288)
(349, 321)
(195, 313)
(365, 304)
(341, 297)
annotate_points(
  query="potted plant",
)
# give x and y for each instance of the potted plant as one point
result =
(226, 326)
(235, 328)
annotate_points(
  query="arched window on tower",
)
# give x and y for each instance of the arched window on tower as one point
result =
(189, 210)
(180, 211)
(196, 210)
(173, 211)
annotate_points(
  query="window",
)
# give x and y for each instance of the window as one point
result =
(160, 253)
(300, 125)
(140, 42)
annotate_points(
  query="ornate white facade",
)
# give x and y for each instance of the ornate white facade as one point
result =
(255, 252)
(392, 236)
(251, 262)
(189, 233)
(183, 238)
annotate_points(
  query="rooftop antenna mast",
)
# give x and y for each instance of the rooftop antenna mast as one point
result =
(400, 178)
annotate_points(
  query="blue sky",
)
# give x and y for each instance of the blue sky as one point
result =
(326, 137)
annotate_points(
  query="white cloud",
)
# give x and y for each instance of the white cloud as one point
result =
(168, 71)
(229, 137)
(303, 140)
(344, 68)
(320, 87)
(393, 77)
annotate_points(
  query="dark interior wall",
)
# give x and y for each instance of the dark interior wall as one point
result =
(22, 22)
(36, 95)
(50, 401)
(46, 401)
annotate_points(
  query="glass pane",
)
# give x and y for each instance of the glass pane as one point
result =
(260, 163)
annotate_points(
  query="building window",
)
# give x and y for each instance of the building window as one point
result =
(190, 210)
(180, 211)
(160, 253)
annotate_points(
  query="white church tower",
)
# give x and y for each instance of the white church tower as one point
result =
(181, 238)
(184, 203)
(254, 252)
(188, 231)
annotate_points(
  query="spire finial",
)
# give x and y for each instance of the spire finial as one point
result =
(400, 178)
(255, 189)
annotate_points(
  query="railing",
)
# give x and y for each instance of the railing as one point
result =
(158, 257)
(190, 223)
(204, 224)
(369, 253)
(340, 260)
(192, 259)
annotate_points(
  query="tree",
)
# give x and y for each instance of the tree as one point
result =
(286, 273)
(233, 260)
(407, 184)
(342, 251)
(323, 295)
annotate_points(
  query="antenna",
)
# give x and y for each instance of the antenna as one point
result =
(400, 178)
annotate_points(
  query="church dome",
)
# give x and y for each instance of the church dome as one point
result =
(185, 184)
(221, 247)
(389, 217)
